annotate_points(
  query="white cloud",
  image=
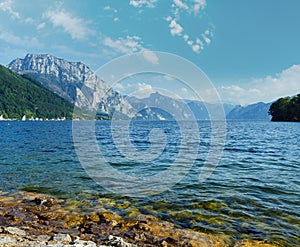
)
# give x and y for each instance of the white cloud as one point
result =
(6, 6)
(199, 5)
(206, 39)
(143, 90)
(196, 48)
(12, 39)
(176, 29)
(126, 45)
(72, 25)
(185, 37)
(118, 86)
(141, 3)
(168, 19)
(150, 56)
(29, 20)
(108, 8)
(197, 43)
(180, 4)
(116, 19)
(286, 83)
(41, 26)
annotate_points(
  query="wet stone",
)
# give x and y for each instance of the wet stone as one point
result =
(7, 240)
(62, 238)
(79, 242)
(43, 238)
(117, 241)
(38, 220)
(15, 231)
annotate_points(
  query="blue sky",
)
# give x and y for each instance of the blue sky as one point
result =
(250, 50)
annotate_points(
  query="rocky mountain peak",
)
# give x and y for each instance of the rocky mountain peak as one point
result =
(74, 81)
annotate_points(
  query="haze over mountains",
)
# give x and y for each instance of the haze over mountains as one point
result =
(78, 84)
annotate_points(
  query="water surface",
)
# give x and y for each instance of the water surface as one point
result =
(252, 194)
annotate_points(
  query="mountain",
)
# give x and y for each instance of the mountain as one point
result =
(78, 84)
(161, 107)
(75, 82)
(21, 95)
(286, 109)
(258, 111)
(200, 109)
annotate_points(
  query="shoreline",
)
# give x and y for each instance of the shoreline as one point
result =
(31, 219)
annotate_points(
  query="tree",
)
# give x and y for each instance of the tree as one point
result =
(286, 109)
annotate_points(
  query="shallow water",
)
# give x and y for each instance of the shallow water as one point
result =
(252, 194)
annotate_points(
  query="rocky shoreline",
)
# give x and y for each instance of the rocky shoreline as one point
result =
(29, 219)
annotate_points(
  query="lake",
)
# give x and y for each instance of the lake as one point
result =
(253, 193)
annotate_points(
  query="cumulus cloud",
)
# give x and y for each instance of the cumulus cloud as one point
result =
(286, 83)
(197, 44)
(143, 90)
(6, 6)
(141, 3)
(126, 45)
(71, 25)
(196, 48)
(129, 45)
(180, 4)
(199, 5)
(176, 29)
(206, 39)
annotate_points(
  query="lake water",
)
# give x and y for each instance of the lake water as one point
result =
(254, 192)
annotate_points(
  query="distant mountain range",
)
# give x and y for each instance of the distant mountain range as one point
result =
(75, 82)
(161, 107)
(258, 111)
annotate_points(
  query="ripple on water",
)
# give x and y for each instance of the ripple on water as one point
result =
(252, 194)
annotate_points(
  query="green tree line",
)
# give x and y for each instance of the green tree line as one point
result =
(286, 109)
(22, 95)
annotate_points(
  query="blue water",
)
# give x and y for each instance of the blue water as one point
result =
(252, 194)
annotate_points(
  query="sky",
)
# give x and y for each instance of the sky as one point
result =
(249, 50)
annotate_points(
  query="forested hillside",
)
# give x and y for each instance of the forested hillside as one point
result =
(22, 95)
(286, 109)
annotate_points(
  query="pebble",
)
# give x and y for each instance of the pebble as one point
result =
(118, 242)
(62, 238)
(7, 240)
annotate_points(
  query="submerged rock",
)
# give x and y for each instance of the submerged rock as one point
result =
(28, 219)
(248, 243)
